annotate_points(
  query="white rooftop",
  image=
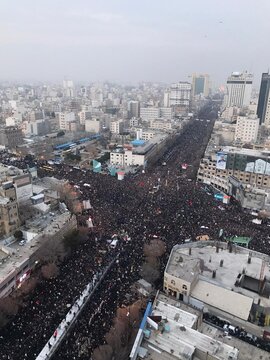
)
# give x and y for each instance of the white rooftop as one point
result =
(226, 300)
(179, 341)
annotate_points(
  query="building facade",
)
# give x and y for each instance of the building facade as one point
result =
(239, 87)
(263, 109)
(180, 94)
(247, 128)
(92, 126)
(200, 84)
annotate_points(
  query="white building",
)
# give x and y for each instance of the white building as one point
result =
(133, 122)
(239, 87)
(116, 127)
(152, 113)
(149, 113)
(166, 113)
(83, 115)
(68, 88)
(65, 119)
(92, 126)
(134, 109)
(147, 135)
(247, 128)
(161, 124)
(13, 120)
(126, 158)
(180, 94)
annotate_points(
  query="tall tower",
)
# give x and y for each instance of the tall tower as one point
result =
(263, 109)
(239, 86)
(200, 84)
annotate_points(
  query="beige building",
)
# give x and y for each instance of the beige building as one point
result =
(229, 282)
(126, 158)
(9, 216)
(247, 165)
(65, 119)
(160, 124)
(116, 127)
(92, 126)
(247, 128)
(83, 116)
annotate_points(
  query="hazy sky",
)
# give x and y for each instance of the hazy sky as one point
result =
(131, 41)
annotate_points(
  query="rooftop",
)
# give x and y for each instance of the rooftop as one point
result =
(238, 271)
(13, 255)
(178, 340)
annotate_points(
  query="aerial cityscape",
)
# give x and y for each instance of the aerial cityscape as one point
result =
(134, 181)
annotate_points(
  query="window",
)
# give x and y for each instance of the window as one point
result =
(184, 287)
(172, 282)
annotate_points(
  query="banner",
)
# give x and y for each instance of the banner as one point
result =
(221, 160)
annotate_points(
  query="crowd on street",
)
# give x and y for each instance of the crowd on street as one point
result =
(165, 202)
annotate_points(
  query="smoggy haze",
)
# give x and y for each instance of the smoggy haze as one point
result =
(131, 41)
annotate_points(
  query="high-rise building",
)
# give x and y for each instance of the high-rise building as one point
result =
(180, 94)
(200, 84)
(68, 88)
(263, 109)
(247, 128)
(239, 86)
(134, 109)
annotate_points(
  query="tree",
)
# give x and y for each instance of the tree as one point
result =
(49, 271)
(104, 352)
(52, 250)
(18, 234)
(60, 133)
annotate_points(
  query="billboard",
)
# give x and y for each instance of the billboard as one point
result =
(96, 166)
(258, 166)
(221, 160)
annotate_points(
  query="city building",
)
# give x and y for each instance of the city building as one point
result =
(116, 127)
(134, 109)
(11, 137)
(172, 330)
(200, 84)
(231, 281)
(17, 261)
(68, 88)
(152, 113)
(147, 135)
(92, 125)
(160, 124)
(239, 87)
(38, 127)
(180, 94)
(9, 213)
(247, 128)
(133, 122)
(141, 154)
(65, 118)
(263, 109)
(149, 113)
(250, 197)
(84, 115)
(247, 165)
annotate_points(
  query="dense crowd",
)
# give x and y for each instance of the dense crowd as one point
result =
(177, 209)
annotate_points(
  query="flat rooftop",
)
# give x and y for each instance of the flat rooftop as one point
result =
(183, 266)
(226, 300)
(179, 341)
(17, 255)
(233, 264)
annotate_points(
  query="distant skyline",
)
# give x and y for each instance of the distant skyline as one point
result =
(129, 42)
